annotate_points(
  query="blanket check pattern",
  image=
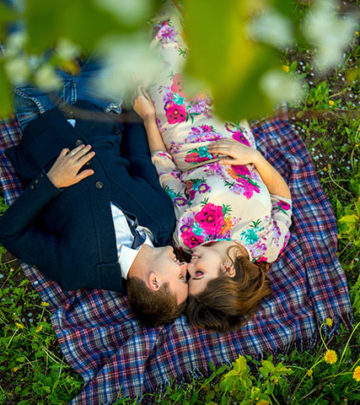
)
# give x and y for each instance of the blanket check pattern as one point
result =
(103, 341)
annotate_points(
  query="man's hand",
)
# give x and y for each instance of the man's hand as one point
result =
(65, 170)
(144, 107)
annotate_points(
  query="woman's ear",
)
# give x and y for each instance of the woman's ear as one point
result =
(153, 281)
(229, 269)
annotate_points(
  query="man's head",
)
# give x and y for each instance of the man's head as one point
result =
(157, 286)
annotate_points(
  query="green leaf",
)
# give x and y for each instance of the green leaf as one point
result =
(82, 21)
(349, 219)
(5, 93)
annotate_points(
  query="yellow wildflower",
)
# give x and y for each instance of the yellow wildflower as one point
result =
(38, 329)
(357, 33)
(44, 304)
(325, 169)
(19, 325)
(356, 374)
(330, 357)
(15, 369)
(329, 322)
(276, 380)
(285, 68)
(309, 373)
(331, 103)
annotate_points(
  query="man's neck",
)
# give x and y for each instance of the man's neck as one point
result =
(139, 265)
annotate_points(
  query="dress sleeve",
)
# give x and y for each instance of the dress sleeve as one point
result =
(170, 179)
(280, 220)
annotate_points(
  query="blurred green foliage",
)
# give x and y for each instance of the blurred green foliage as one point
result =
(234, 44)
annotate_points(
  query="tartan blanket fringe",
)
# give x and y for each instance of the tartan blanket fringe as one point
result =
(103, 341)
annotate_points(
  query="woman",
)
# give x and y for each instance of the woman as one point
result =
(233, 208)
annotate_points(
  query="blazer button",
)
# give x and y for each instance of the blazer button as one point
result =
(99, 185)
(79, 142)
(36, 181)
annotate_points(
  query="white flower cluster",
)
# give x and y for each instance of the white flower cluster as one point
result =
(329, 33)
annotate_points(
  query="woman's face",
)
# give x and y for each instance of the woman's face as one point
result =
(205, 265)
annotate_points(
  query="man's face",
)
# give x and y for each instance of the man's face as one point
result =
(171, 271)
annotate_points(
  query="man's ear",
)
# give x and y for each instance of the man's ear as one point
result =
(229, 269)
(153, 281)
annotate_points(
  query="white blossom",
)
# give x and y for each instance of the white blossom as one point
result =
(127, 62)
(127, 11)
(272, 28)
(46, 78)
(18, 70)
(282, 87)
(66, 49)
(329, 33)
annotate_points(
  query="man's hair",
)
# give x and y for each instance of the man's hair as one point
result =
(228, 303)
(154, 308)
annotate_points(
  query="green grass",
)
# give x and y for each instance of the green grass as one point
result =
(33, 371)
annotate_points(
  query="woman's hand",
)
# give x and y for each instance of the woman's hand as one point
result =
(234, 152)
(143, 106)
(65, 171)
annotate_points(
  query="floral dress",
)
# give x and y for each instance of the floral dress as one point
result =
(212, 202)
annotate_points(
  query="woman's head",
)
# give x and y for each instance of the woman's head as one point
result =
(224, 291)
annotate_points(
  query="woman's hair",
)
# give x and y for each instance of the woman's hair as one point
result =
(228, 302)
(154, 308)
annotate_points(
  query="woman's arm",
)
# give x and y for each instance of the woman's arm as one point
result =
(144, 107)
(240, 154)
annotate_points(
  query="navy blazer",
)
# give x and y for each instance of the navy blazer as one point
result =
(69, 234)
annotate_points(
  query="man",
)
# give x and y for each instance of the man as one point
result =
(78, 218)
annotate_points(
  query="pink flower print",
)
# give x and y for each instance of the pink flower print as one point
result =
(203, 188)
(195, 131)
(180, 201)
(262, 259)
(258, 249)
(192, 194)
(175, 113)
(284, 205)
(194, 158)
(238, 136)
(210, 218)
(184, 228)
(167, 99)
(177, 83)
(190, 239)
(286, 240)
(241, 170)
(206, 128)
(248, 187)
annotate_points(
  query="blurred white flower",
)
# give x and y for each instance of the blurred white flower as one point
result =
(18, 70)
(15, 43)
(46, 78)
(127, 62)
(127, 11)
(280, 86)
(272, 28)
(66, 49)
(329, 33)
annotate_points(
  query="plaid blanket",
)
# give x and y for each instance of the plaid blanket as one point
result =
(103, 341)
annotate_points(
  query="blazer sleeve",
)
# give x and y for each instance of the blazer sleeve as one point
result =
(135, 149)
(19, 232)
